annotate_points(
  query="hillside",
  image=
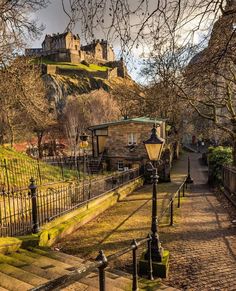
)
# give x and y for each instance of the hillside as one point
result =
(16, 169)
(66, 79)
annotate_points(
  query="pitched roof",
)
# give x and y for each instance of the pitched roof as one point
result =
(135, 120)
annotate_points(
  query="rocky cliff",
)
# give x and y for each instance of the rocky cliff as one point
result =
(59, 87)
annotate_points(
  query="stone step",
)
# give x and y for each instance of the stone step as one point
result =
(3, 289)
(93, 281)
(42, 262)
(57, 255)
(45, 260)
(79, 287)
(22, 275)
(48, 273)
(13, 284)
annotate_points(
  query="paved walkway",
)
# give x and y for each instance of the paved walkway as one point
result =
(202, 242)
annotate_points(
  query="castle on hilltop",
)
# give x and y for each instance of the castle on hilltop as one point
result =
(66, 47)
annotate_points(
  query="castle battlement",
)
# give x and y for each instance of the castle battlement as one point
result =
(66, 47)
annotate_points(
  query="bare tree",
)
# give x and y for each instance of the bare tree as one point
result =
(22, 98)
(17, 25)
(85, 110)
(129, 96)
(206, 81)
(146, 24)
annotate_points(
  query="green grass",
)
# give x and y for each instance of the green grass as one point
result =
(16, 169)
(70, 66)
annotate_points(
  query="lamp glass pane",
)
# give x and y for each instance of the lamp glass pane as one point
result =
(154, 151)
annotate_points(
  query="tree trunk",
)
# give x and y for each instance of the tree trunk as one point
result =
(40, 138)
(234, 151)
(234, 143)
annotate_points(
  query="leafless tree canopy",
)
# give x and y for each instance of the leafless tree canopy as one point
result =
(146, 23)
(17, 25)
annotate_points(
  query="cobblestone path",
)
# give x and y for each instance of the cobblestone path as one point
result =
(203, 241)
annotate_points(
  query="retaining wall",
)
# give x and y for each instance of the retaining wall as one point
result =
(62, 226)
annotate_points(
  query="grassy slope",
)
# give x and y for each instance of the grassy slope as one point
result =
(67, 65)
(19, 168)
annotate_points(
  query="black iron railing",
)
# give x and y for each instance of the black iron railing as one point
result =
(102, 262)
(169, 209)
(229, 179)
(18, 209)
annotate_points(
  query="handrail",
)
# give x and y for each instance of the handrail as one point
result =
(81, 272)
(126, 250)
(172, 198)
(102, 261)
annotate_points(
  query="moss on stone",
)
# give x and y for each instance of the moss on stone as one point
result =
(9, 245)
(160, 269)
(54, 231)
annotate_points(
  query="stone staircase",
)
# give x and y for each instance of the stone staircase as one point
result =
(26, 269)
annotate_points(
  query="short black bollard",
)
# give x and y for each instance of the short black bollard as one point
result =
(33, 193)
(135, 266)
(171, 212)
(189, 180)
(178, 199)
(150, 273)
(102, 282)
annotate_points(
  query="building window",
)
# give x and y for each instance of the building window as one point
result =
(120, 165)
(132, 139)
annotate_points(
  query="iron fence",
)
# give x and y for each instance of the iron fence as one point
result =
(15, 173)
(19, 209)
(229, 182)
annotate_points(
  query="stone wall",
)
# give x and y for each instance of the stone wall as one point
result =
(121, 68)
(112, 73)
(83, 73)
(118, 148)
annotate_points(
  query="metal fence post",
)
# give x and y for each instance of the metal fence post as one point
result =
(7, 176)
(171, 212)
(178, 199)
(39, 172)
(62, 169)
(135, 266)
(101, 270)
(33, 192)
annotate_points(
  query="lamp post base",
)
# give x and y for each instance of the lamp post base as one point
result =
(156, 250)
(160, 269)
(189, 180)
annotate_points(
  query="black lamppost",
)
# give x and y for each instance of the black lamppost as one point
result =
(154, 146)
(83, 144)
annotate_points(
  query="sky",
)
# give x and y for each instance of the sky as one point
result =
(55, 20)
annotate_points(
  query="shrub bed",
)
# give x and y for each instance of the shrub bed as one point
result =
(217, 157)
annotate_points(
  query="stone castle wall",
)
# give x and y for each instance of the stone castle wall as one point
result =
(53, 69)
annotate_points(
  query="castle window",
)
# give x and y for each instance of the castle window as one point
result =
(76, 47)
